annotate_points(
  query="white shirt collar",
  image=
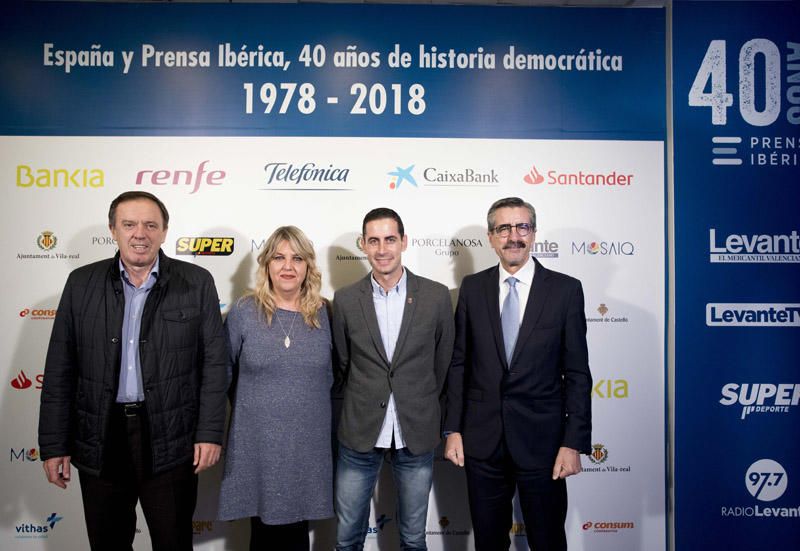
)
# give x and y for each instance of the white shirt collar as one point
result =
(523, 275)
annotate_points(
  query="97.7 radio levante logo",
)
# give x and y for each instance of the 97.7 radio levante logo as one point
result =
(766, 97)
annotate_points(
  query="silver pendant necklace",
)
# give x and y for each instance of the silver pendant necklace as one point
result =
(287, 342)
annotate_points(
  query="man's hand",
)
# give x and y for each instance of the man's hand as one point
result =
(454, 449)
(568, 462)
(206, 455)
(57, 470)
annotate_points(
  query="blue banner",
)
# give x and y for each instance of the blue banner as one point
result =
(299, 70)
(737, 288)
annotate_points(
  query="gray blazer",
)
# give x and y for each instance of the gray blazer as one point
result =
(415, 374)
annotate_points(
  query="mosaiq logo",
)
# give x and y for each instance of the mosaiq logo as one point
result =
(754, 248)
(608, 180)
(761, 398)
(603, 248)
(24, 454)
(189, 179)
(727, 314)
(766, 481)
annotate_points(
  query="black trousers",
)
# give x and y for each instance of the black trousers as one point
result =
(278, 537)
(491, 484)
(109, 500)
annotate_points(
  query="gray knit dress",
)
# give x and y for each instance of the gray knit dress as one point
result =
(278, 460)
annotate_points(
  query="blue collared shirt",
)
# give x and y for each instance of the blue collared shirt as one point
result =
(130, 373)
(389, 311)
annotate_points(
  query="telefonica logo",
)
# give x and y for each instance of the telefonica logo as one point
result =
(67, 178)
(755, 248)
(612, 179)
(282, 176)
(761, 397)
(753, 315)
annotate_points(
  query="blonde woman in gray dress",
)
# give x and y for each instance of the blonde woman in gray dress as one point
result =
(278, 468)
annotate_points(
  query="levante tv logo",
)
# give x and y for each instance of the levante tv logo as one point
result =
(33, 530)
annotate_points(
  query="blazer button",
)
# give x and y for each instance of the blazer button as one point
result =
(114, 340)
(383, 405)
(391, 374)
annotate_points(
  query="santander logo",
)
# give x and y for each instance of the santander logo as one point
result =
(533, 177)
(21, 381)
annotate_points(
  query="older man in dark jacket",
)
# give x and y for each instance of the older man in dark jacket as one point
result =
(134, 385)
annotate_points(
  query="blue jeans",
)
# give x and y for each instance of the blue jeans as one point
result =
(356, 474)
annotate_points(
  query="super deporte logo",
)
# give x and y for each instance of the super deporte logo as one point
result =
(761, 397)
(205, 246)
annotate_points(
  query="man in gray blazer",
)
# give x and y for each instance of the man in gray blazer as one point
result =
(393, 333)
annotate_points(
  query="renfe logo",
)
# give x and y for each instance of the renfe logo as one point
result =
(761, 397)
(182, 177)
(781, 248)
(754, 315)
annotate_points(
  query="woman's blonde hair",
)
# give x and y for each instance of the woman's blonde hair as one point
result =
(264, 294)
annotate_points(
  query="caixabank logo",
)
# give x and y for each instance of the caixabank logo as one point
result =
(37, 530)
(761, 398)
(766, 481)
(405, 177)
(754, 248)
(204, 246)
(611, 179)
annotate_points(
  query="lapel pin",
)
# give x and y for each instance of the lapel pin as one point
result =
(410, 300)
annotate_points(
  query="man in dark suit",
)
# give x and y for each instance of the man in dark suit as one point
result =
(519, 388)
(393, 333)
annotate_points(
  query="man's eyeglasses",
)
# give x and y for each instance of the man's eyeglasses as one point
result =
(504, 230)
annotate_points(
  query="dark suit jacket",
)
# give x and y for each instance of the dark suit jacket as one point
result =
(415, 374)
(542, 401)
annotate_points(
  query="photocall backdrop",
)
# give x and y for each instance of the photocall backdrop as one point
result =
(246, 117)
(737, 288)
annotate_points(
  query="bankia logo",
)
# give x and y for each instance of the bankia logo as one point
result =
(610, 389)
(37, 313)
(281, 175)
(65, 178)
(603, 248)
(184, 178)
(614, 179)
(34, 530)
(766, 481)
(204, 246)
(760, 398)
(727, 314)
(754, 248)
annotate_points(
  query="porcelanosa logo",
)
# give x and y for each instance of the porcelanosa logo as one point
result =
(31, 530)
(446, 246)
(612, 179)
(752, 315)
(282, 175)
(765, 480)
(760, 398)
(755, 248)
